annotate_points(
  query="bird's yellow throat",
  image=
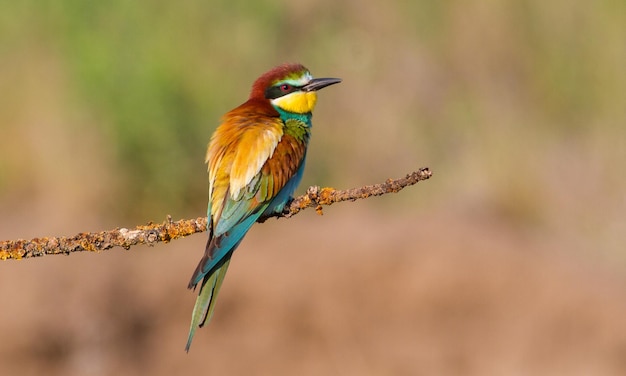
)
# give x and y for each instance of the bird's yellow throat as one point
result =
(298, 102)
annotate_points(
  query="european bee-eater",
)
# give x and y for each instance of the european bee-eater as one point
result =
(255, 161)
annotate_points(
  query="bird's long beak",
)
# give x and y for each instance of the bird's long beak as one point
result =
(319, 83)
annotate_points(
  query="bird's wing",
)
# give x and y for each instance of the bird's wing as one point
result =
(250, 162)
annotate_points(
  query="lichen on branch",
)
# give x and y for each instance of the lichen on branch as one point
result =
(151, 233)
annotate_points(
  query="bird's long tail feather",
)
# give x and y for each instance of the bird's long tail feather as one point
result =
(205, 303)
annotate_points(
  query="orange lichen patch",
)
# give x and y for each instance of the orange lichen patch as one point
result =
(19, 249)
(325, 196)
(182, 228)
(86, 242)
(14, 251)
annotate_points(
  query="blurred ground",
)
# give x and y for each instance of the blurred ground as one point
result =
(422, 294)
(509, 261)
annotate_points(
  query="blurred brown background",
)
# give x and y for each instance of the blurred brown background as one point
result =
(510, 261)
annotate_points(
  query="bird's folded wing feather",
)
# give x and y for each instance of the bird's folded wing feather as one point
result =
(249, 164)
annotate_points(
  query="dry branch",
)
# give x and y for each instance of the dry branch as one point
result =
(151, 234)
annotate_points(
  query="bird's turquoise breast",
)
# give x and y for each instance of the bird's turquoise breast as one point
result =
(303, 120)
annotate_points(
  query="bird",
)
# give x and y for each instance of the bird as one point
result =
(255, 161)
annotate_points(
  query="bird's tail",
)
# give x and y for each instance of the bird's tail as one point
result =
(205, 303)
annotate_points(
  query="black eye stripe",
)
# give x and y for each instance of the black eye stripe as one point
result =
(278, 91)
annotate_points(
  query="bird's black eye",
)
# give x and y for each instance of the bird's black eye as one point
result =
(285, 88)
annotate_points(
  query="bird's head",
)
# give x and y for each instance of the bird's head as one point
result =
(290, 87)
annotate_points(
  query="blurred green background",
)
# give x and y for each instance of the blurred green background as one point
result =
(511, 260)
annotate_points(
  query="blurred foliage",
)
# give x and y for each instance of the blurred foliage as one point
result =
(501, 89)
